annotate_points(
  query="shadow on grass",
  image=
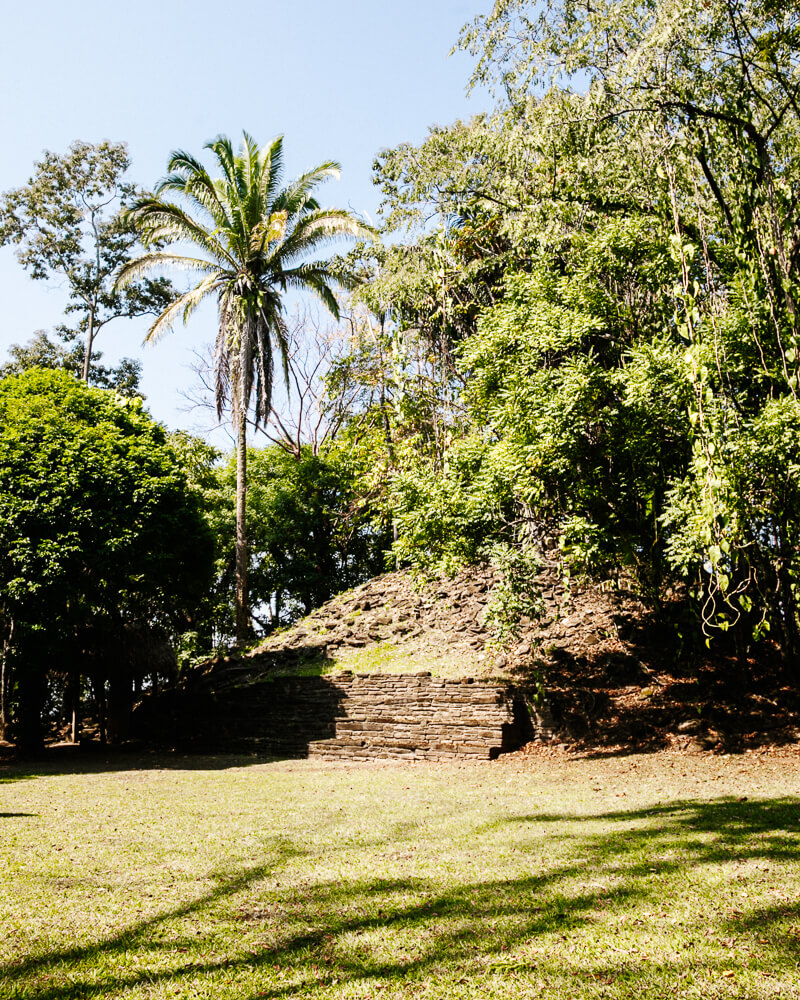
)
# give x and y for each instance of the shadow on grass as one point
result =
(103, 760)
(137, 936)
(446, 933)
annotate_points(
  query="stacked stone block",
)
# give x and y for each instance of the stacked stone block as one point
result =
(419, 716)
(346, 716)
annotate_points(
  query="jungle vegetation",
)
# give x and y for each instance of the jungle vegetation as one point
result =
(580, 333)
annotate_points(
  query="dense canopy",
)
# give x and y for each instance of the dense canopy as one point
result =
(98, 530)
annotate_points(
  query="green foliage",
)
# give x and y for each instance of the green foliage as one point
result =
(42, 352)
(69, 221)
(444, 516)
(517, 596)
(310, 536)
(605, 268)
(562, 371)
(98, 528)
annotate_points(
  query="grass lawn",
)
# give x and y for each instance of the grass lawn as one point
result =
(563, 878)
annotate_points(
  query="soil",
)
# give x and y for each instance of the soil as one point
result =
(611, 673)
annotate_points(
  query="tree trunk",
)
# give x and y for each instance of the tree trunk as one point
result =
(100, 699)
(5, 685)
(29, 729)
(242, 608)
(87, 357)
(75, 706)
(791, 634)
(119, 707)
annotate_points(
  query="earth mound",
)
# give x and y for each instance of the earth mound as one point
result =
(609, 675)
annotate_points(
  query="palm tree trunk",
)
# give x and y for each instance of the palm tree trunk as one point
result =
(242, 609)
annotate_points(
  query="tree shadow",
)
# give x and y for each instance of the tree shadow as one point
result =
(99, 759)
(138, 935)
(387, 931)
(241, 708)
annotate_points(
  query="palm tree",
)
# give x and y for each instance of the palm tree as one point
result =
(253, 239)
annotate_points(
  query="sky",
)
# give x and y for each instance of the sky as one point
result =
(339, 80)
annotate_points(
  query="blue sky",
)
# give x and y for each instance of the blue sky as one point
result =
(339, 80)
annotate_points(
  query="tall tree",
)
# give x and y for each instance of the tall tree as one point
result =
(69, 221)
(701, 100)
(254, 239)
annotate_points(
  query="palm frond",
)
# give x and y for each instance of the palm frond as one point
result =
(221, 370)
(181, 308)
(249, 160)
(161, 261)
(264, 368)
(190, 178)
(315, 278)
(294, 198)
(185, 164)
(257, 237)
(222, 148)
(163, 221)
(319, 229)
(271, 174)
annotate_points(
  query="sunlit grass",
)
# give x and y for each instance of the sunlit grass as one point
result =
(642, 877)
(391, 657)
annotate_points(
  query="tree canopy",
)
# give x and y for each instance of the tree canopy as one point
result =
(69, 221)
(605, 268)
(98, 528)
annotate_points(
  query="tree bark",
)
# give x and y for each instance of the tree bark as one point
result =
(100, 699)
(5, 685)
(75, 705)
(119, 707)
(242, 603)
(87, 357)
(29, 730)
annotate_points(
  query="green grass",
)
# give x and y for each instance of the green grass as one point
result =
(390, 656)
(384, 657)
(221, 878)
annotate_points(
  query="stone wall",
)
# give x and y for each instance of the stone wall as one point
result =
(346, 716)
(418, 716)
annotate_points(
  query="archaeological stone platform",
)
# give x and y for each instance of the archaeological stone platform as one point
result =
(346, 716)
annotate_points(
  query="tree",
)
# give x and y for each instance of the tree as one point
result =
(42, 352)
(609, 259)
(310, 533)
(101, 536)
(701, 102)
(69, 220)
(254, 239)
(308, 414)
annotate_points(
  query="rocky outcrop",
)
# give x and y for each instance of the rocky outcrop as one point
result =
(444, 625)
